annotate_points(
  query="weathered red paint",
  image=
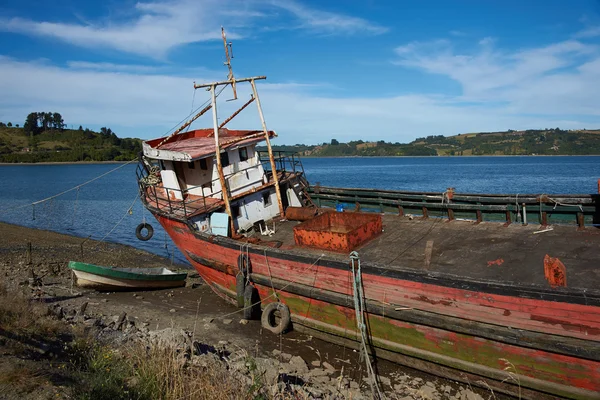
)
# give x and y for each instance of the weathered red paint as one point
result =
(300, 213)
(338, 231)
(566, 319)
(498, 262)
(201, 143)
(464, 304)
(555, 271)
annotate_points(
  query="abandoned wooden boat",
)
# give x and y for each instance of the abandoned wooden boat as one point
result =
(111, 278)
(493, 290)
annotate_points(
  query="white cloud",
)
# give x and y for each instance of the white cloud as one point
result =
(148, 104)
(160, 26)
(556, 79)
(156, 28)
(105, 66)
(487, 41)
(590, 32)
(329, 22)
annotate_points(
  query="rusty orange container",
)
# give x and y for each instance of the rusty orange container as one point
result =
(338, 231)
(300, 213)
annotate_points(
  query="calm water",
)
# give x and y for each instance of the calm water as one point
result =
(96, 209)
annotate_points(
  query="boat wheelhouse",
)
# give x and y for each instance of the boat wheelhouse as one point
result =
(193, 181)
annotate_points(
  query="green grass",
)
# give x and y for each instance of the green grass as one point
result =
(65, 145)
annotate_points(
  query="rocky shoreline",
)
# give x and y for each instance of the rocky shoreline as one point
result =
(202, 330)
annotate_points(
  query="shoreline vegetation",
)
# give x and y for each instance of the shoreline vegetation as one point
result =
(44, 139)
(534, 142)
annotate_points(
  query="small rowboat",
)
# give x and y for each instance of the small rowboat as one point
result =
(112, 278)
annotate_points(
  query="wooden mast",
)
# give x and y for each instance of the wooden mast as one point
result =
(224, 189)
(232, 81)
(271, 158)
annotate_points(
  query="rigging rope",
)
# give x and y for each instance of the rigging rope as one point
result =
(193, 100)
(128, 212)
(175, 146)
(66, 191)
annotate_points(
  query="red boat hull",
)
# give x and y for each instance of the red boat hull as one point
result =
(526, 342)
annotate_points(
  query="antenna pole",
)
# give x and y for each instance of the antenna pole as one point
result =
(230, 76)
(271, 159)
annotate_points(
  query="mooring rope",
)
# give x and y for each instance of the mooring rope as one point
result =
(359, 310)
(518, 208)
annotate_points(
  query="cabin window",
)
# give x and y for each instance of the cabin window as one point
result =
(203, 164)
(162, 164)
(243, 154)
(266, 199)
(191, 165)
(224, 159)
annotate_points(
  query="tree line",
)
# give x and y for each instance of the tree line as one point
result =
(38, 122)
(44, 137)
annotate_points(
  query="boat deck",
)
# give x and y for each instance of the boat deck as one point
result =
(488, 250)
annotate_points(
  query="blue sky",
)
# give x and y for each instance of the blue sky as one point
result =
(371, 70)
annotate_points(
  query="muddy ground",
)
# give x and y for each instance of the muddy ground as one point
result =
(197, 311)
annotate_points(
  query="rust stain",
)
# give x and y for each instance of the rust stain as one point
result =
(426, 299)
(506, 313)
(568, 326)
(555, 272)
(499, 261)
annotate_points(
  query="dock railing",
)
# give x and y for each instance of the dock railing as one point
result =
(582, 210)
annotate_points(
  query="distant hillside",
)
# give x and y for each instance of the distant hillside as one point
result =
(528, 142)
(358, 149)
(64, 145)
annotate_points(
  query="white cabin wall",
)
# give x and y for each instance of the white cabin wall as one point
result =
(244, 175)
(252, 209)
(169, 180)
(241, 176)
(197, 177)
(293, 198)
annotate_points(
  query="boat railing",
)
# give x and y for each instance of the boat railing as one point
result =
(582, 210)
(175, 201)
(184, 202)
(285, 161)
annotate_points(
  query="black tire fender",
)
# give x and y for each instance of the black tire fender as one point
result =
(250, 301)
(240, 286)
(244, 264)
(267, 319)
(149, 231)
